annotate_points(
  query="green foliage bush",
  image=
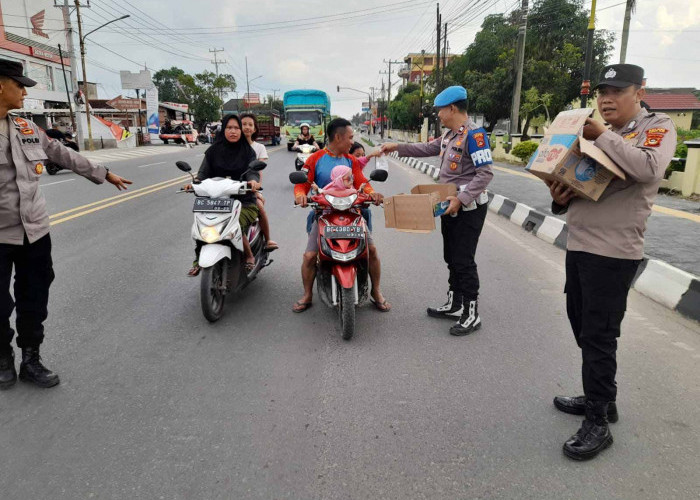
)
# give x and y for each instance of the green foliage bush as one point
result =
(524, 150)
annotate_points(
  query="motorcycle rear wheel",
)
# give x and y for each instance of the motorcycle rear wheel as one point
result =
(347, 313)
(212, 296)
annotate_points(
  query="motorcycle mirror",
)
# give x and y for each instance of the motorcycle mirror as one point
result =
(257, 165)
(298, 178)
(379, 175)
(183, 165)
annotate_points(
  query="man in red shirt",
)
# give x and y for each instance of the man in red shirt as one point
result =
(318, 170)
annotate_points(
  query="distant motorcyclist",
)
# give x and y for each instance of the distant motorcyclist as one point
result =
(305, 137)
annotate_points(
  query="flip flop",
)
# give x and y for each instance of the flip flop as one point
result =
(300, 306)
(381, 306)
(194, 270)
(249, 266)
(271, 247)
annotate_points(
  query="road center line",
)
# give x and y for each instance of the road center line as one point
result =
(123, 195)
(57, 182)
(116, 202)
(151, 164)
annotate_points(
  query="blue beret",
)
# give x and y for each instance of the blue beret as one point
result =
(450, 95)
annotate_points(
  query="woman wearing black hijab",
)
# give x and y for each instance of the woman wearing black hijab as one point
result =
(230, 156)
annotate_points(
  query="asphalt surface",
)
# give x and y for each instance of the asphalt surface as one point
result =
(155, 402)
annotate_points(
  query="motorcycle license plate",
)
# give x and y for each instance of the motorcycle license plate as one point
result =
(213, 205)
(344, 232)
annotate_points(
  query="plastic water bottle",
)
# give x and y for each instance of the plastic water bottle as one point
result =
(382, 163)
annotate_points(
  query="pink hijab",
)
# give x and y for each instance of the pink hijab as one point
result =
(337, 175)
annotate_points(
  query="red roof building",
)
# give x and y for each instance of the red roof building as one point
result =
(679, 106)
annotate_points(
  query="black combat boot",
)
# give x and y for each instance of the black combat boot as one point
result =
(32, 370)
(8, 373)
(593, 436)
(469, 321)
(576, 405)
(452, 309)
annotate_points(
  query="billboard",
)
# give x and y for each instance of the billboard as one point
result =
(34, 23)
(140, 80)
(152, 112)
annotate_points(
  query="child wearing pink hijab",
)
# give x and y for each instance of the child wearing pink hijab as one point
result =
(341, 179)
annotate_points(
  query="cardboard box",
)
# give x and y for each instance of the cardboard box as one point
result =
(413, 212)
(565, 156)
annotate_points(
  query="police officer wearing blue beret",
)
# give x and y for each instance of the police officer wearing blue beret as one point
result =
(465, 160)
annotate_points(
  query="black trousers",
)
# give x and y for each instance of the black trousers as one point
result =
(33, 276)
(596, 300)
(460, 236)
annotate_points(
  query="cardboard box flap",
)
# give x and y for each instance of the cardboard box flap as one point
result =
(443, 190)
(569, 122)
(590, 150)
(410, 212)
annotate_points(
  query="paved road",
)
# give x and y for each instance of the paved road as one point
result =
(669, 236)
(157, 403)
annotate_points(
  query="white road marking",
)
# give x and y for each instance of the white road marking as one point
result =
(57, 182)
(683, 346)
(150, 164)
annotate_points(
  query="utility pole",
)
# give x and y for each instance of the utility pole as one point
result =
(437, 52)
(444, 54)
(91, 146)
(216, 63)
(390, 62)
(70, 52)
(274, 95)
(519, 61)
(382, 103)
(586, 85)
(247, 83)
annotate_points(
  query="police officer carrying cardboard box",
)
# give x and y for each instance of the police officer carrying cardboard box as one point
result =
(25, 243)
(605, 245)
(465, 160)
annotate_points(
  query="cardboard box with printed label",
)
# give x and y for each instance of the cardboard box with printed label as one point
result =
(565, 156)
(415, 212)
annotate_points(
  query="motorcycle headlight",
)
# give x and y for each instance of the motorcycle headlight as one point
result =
(344, 257)
(210, 234)
(342, 202)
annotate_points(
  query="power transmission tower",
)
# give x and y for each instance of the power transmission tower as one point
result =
(519, 61)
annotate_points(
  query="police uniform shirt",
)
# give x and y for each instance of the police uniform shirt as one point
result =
(465, 159)
(614, 225)
(24, 150)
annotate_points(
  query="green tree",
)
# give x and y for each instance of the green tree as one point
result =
(405, 109)
(168, 82)
(554, 58)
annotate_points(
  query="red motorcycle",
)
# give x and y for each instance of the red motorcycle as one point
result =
(342, 268)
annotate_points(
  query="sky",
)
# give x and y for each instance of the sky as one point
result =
(323, 44)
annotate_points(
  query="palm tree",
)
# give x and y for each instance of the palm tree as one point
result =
(629, 10)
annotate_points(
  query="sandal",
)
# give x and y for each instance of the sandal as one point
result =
(194, 270)
(300, 306)
(271, 246)
(249, 266)
(381, 306)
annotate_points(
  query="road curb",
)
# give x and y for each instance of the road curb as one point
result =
(671, 287)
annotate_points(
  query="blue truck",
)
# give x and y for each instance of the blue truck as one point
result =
(306, 106)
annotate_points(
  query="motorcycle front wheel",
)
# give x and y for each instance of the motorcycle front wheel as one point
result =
(212, 291)
(347, 313)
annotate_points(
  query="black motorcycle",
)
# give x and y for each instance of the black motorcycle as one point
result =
(67, 140)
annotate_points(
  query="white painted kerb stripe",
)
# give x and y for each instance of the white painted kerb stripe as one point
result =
(550, 229)
(520, 214)
(663, 283)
